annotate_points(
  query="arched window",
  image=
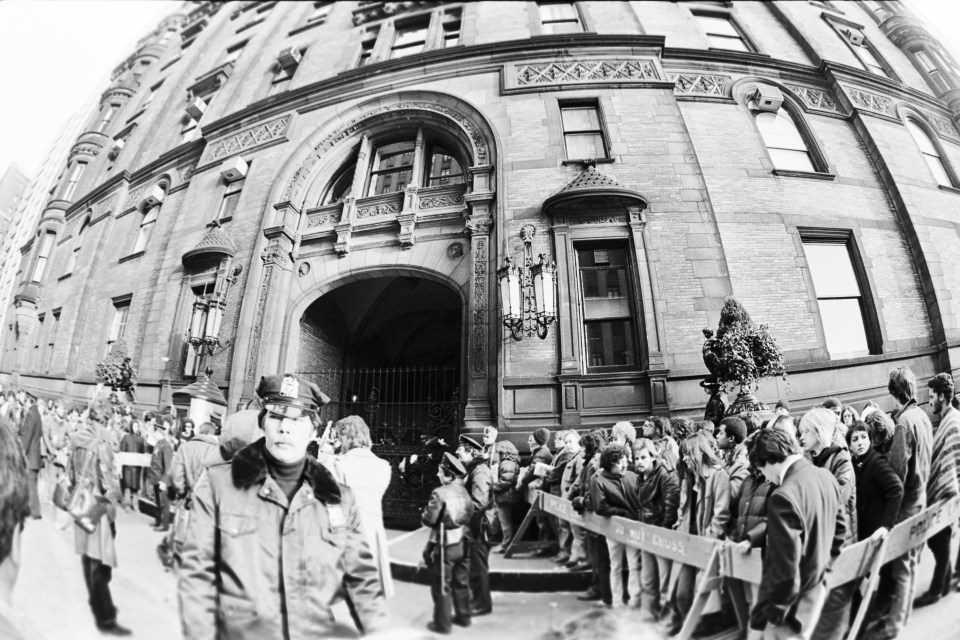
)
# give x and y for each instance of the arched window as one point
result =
(444, 168)
(392, 168)
(930, 154)
(341, 187)
(77, 245)
(786, 146)
(146, 228)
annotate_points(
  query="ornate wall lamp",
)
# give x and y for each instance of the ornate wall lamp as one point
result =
(204, 336)
(528, 293)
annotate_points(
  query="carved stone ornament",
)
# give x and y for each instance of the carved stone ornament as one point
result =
(292, 191)
(480, 307)
(866, 101)
(254, 353)
(479, 226)
(455, 251)
(371, 11)
(578, 71)
(304, 269)
(815, 98)
(943, 126)
(381, 209)
(698, 83)
(274, 256)
(186, 172)
(588, 219)
(248, 139)
(321, 219)
(441, 200)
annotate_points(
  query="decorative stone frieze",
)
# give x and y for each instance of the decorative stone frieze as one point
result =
(700, 84)
(250, 138)
(871, 102)
(816, 99)
(564, 72)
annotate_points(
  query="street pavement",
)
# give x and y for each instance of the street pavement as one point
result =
(51, 595)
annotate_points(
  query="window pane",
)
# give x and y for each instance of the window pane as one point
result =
(408, 51)
(922, 139)
(551, 11)
(229, 205)
(394, 156)
(342, 187)
(391, 182)
(779, 131)
(38, 271)
(843, 327)
(831, 270)
(936, 168)
(791, 160)
(717, 26)
(557, 28)
(584, 145)
(444, 168)
(730, 44)
(610, 343)
(580, 118)
(605, 283)
(143, 236)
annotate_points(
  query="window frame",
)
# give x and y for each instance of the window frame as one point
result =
(283, 76)
(233, 188)
(867, 300)
(118, 324)
(839, 25)
(822, 169)
(73, 179)
(593, 103)
(107, 116)
(728, 16)
(425, 20)
(52, 339)
(47, 240)
(540, 23)
(934, 140)
(77, 245)
(633, 303)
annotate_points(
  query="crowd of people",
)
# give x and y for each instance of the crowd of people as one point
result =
(805, 486)
(268, 522)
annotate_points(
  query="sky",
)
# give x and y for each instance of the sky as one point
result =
(54, 55)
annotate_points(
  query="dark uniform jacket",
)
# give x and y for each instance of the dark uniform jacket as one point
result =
(805, 530)
(258, 566)
(879, 492)
(453, 503)
(31, 435)
(659, 496)
(479, 485)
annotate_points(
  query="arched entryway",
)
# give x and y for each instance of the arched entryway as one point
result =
(389, 349)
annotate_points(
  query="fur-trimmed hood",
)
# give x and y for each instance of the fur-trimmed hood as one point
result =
(249, 467)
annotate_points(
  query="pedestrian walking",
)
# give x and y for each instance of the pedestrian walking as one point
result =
(448, 514)
(273, 538)
(479, 485)
(130, 476)
(805, 529)
(91, 466)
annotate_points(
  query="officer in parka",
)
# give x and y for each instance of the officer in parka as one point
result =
(274, 537)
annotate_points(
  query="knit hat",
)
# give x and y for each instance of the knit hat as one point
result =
(541, 435)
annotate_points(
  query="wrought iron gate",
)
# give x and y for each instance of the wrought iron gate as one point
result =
(414, 417)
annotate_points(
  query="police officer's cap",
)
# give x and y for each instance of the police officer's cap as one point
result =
(470, 443)
(290, 395)
(452, 466)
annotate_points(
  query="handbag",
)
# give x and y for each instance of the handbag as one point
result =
(83, 505)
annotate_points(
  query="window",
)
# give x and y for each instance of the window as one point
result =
(934, 74)
(868, 59)
(411, 38)
(121, 309)
(53, 339)
(234, 52)
(284, 76)
(107, 117)
(559, 17)
(46, 246)
(151, 95)
(191, 361)
(320, 12)
(930, 154)
(77, 245)
(607, 307)
(341, 187)
(451, 29)
(366, 46)
(582, 133)
(783, 141)
(392, 168)
(839, 299)
(444, 167)
(231, 196)
(146, 228)
(37, 354)
(190, 131)
(76, 172)
(722, 32)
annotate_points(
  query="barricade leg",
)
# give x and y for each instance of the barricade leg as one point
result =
(709, 581)
(516, 544)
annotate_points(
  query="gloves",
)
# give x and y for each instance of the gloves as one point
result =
(428, 553)
(578, 505)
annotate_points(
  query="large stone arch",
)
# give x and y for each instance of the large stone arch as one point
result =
(263, 343)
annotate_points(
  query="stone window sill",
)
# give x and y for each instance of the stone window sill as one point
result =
(949, 189)
(64, 277)
(813, 175)
(219, 221)
(306, 27)
(132, 256)
(567, 163)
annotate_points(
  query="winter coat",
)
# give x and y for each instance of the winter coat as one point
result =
(738, 468)
(479, 484)
(571, 473)
(256, 565)
(879, 493)
(617, 495)
(540, 454)
(751, 522)
(91, 458)
(837, 462)
(190, 460)
(132, 443)
(31, 435)
(552, 481)
(945, 459)
(910, 454)
(453, 503)
(505, 487)
(711, 497)
(161, 462)
(659, 496)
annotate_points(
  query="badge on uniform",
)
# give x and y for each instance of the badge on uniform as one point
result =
(290, 387)
(337, 518)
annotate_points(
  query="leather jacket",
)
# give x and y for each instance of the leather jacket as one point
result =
(452, 502)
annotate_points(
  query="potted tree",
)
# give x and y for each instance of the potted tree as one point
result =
(740, 354)
(116, 372)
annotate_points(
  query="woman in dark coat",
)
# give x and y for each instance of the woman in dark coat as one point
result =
(505, 491)
(879, 489)
(130, 477)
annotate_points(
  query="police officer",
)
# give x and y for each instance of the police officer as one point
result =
(447, 514)
(273, 537)
(479, 485)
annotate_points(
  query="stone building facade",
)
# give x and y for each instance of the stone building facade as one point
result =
(344, 180)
